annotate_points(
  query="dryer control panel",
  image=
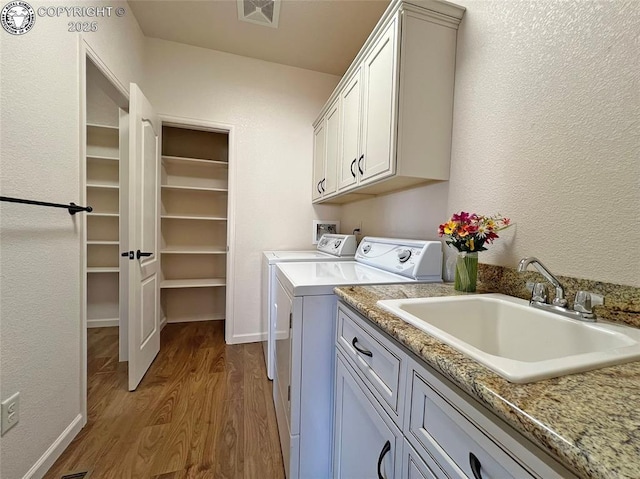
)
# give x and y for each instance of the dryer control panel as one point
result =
(337, 245)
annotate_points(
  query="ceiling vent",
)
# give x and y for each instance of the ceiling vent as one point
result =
(261, 12)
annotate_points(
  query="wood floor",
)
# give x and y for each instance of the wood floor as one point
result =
(203, 410)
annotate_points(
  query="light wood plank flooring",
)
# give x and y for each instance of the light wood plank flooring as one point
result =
(203, 410)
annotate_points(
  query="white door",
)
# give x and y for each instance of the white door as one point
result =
(319, 153)
(144, 268)
(123, 323)
(379, 108)
(351, 114)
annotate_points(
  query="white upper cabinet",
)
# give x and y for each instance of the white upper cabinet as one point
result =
(379, 72)
(319, 157)
(396, 105)
(326, 150)
(351, 101)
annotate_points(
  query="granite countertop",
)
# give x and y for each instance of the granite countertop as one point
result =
(590, 422)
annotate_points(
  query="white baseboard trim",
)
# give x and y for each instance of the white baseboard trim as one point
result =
(163, 322)
(192, 320)
(102, 323)
(248, 338)
(40, 468)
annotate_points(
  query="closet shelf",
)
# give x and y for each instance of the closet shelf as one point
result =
(101, 157)
(102, 185)
(194, 188)
(193, 217)
(191, 250)
(104, 215)
(192, 283)
(110, 269)
(106, 127)
(116, 243)
(199, 161)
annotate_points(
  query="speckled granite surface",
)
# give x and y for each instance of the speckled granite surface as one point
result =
(589, 421)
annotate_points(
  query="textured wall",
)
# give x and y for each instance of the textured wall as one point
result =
(272, 108)
(40, 248)
(546, 130)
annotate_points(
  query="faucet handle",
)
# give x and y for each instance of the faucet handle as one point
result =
(539, 293)
(585, 301)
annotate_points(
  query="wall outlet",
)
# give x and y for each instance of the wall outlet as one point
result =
(10, 412)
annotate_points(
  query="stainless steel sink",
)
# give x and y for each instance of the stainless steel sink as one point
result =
(518, 342)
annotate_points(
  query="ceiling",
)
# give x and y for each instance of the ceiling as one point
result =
(319, 35)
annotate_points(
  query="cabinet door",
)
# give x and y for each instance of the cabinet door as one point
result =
(416, 467)
(351, 104)
(365, 444)
(332, 125)
(319, 155)
(379, 108)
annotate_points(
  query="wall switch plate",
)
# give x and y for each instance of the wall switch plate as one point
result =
(10, 412)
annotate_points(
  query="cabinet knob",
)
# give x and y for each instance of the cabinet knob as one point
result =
(385, 449)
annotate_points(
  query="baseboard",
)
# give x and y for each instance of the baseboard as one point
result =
(193, 320)
(163, 322)
(102, 323)
(40, 468)
(248, 338)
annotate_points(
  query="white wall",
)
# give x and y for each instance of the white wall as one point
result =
(546, 131)
(272, 108)
(40, 248)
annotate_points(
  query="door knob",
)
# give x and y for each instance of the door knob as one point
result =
(140, 254)
(127, 254)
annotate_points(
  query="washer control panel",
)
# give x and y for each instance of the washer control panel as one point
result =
(417, 259)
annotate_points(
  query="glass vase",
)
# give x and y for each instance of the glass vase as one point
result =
(466, 272)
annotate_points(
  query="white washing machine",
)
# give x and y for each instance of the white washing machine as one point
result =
(331, 247)
(305, 309)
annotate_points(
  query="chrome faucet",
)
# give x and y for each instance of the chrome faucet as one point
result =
(582, 306)
(524, 263)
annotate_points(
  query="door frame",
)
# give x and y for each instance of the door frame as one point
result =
(120, 95)
(194, 123)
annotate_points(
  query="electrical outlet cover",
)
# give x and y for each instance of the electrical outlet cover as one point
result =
(10, 412)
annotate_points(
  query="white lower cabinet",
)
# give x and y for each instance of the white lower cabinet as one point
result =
(367, 443)
(442, 431)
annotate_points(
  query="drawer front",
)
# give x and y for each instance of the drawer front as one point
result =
(378, 365)
(438, 429)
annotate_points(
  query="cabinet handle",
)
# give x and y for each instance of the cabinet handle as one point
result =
(353, 163)
(360, 350)
(474, 462)
(385, 449)
(322, 184)
(360, 164)
(318, 187)
(127, 254)
(140, 254)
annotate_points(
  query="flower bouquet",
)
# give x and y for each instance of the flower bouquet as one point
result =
(469, 233)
